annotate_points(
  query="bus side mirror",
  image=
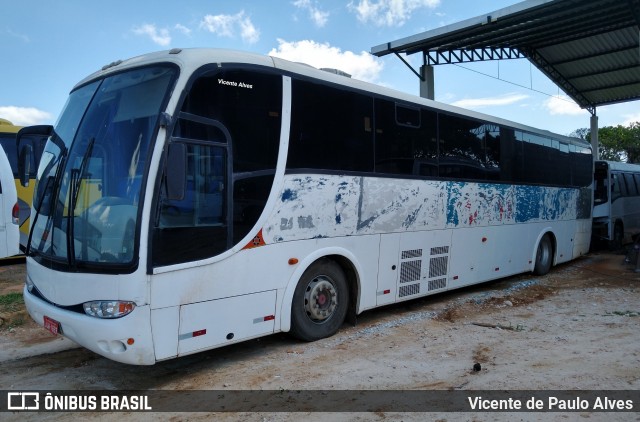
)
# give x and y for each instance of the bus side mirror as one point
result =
(24, 137)
(24, 164)
(176, 171)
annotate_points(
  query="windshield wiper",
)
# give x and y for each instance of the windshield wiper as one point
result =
(77, 176)
(39, 200)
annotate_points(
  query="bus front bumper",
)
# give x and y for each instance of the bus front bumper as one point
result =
(127, 339)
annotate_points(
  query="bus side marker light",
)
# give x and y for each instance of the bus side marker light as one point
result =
(484, 239)
(130, 341)
(199, 333)
(264, 319)
(293, 261)
(455, 277)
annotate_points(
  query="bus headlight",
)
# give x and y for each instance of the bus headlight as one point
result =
(108, 308)
(29, 284)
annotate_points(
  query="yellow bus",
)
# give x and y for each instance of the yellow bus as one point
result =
(8, 133)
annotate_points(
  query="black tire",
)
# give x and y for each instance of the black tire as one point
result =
(544, 256)
(618, 236)
(320, 301)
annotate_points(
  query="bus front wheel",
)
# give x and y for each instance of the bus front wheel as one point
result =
(618, 237)
(544, 256)
(320, 301)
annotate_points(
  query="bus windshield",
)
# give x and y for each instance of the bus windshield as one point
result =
(90, 175)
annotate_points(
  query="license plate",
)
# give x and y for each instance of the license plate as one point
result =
(52, 325)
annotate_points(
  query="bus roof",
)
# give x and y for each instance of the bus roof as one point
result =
(8, 127)
(619, 166)
(191, 59)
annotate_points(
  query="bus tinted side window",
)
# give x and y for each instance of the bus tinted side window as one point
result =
(230, 124)
(405, 140)
(253, 116)
(463, 149)
(581, 165)
(537, 159)
(331, 129)
(504, 153)
(617, 186)
(632, 190)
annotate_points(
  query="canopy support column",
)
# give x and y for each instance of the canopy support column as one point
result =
(427, 82)
(594, 134)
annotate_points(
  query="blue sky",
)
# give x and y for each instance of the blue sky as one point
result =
(48, 46)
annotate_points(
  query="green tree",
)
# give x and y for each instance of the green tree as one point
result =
(617, 143)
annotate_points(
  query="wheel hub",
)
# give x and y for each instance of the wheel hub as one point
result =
(320, 299)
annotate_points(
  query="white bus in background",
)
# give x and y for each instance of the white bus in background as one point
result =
(190, 199)
(616, 208)
(9, 210)
(8, 132)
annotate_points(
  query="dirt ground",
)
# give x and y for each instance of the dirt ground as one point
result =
(578, 328)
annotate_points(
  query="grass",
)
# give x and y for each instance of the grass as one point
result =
(11, 306)
(11, 302)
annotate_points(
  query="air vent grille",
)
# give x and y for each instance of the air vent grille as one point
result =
(410, 271)
(413, 253)
(411, 289)
(439, 283)
(438, 266)
(439, 250)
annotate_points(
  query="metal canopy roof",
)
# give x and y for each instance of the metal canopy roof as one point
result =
(589, 48)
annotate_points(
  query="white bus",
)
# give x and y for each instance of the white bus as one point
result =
(9, 210)
(8, 133)
(190, 199)
(616, 206)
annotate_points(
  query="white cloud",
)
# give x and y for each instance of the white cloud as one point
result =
(24, 116)
(248, 32)
(631, 118)
(183, 29)
(563, 105)
(501, 100)
(388, 12)
(361, 66)
(318, 16)
(158, 36)
(221, 25)
(229, 25)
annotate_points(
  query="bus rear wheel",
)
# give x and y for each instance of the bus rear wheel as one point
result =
(320, 301)
(544, 256)
(618, 237)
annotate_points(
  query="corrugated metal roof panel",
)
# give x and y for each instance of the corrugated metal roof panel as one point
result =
(590, 48)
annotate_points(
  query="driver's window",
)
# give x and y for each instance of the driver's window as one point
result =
(204, 200)
(196, 225)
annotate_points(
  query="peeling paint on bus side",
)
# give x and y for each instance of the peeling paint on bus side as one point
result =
(317, 206)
